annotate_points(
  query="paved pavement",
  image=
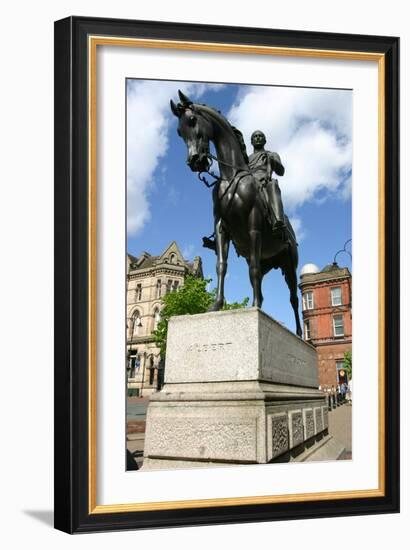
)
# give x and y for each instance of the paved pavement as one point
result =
(137, 408)
(340, 426)
(136, 413)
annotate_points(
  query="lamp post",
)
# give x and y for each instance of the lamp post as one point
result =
(346, 251)
(143, 356)
(136, 323)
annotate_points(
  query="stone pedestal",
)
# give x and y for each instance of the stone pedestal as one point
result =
(239, 388)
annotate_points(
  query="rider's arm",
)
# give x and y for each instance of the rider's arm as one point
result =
(276, 164)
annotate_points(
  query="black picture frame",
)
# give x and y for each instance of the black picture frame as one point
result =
(72, 276)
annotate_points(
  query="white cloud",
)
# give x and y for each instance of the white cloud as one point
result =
(297, 227)
(310, 129)
(188, 251)
(148, 122)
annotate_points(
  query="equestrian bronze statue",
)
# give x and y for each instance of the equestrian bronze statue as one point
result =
(246, 200)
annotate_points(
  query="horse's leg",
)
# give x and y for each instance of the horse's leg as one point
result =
(255, 270)
(222, 249)
(289, 271)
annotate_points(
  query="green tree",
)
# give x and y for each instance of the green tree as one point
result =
(236, 305)
(347, 363)
(191, 298)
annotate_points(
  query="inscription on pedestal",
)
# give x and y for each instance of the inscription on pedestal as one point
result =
(297, 362)
(309, 423)
(200, 348)
(296, 435)
(280, 434)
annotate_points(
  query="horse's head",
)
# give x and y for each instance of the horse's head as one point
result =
(196, 130)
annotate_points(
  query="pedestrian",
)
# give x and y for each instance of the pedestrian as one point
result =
(333, 397)
(349, 391)
(329, 398)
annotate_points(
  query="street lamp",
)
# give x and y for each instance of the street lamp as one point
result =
(346, 251)
(143, 354)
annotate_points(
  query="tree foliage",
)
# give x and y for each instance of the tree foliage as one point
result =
(193, 297)
(347, 363)
(236, 305)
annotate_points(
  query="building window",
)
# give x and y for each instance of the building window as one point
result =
(133, 365)
(151, 376)
(307, 330)
(308, 300)
(175, 286)
(138, 292)
(338, 326)
(151, 370)
(173, 258)
(341, 372)
(136, 324)
(157, 318)
(336, 294)
(158, 288)
(340, 364)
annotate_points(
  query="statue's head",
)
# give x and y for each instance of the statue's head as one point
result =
(258, 139)
(196, 130)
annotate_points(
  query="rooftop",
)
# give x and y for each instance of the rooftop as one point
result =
(171, 255)
(329, 272)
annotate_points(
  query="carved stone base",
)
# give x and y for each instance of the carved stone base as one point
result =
(232, 398)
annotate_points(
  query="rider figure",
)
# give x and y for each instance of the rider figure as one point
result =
(262, 164)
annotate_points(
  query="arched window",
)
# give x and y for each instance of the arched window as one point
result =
(136, 324)
(173, 258)
(157, 317)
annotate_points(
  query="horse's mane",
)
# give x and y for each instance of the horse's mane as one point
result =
(237, 133)
(241, 141)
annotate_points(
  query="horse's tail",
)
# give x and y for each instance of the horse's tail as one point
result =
(293, 250)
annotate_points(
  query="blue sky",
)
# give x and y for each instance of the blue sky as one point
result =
(310, 129)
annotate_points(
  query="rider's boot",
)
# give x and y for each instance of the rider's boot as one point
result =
(209, 242)
(275, 205)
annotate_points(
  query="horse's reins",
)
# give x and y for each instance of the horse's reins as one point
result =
(237, 171)
(217, 178)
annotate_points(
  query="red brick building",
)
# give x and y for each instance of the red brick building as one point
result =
(327, 318)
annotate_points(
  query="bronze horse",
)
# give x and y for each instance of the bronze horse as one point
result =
(240, 214)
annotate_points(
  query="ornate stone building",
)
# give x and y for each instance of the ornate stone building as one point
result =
(148, 279)
(327, 317)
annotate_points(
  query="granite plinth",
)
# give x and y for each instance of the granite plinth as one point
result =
(243, 344)
(239, 388)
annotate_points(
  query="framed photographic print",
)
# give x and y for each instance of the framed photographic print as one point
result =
(226, 264)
